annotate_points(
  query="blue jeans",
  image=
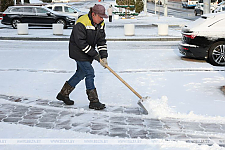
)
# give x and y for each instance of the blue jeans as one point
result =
(84, 70)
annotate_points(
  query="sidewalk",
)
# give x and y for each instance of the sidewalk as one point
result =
(146, 29)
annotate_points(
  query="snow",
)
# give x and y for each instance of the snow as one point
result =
(35, 1)
(175, 88)
(58, 139)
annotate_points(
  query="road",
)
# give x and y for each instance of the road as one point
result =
(174, 9)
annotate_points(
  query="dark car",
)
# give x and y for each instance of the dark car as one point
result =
(198, 9)
(34, 15)
(205, 39)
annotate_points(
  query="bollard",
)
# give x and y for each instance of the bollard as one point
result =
(162, 29)
(57, 29)
(129, 29)
(116, 17)
(22, 28)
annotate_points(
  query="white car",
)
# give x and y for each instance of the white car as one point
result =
(65, 9)
(219, 9)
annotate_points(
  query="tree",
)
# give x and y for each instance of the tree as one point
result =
(139, 6)
(6, 4)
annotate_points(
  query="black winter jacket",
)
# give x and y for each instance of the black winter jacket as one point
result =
(84, 37)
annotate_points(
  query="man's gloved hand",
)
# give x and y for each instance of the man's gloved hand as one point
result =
(104, 62)
(97, 57)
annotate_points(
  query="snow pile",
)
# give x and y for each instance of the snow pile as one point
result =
(159, 108)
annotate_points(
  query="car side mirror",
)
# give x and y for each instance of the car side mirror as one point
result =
(48, 13)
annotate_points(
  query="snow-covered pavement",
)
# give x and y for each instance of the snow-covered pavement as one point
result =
(186, 104)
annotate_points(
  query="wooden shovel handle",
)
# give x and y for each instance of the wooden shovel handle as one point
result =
(124, 82)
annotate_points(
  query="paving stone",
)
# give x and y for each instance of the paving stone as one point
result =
(2, 116)
(46, 125)
(100, 132)
(98, 126)
(137, 133)
(66, 127)
(11, 119)
(16, 114)
(7, 107)
(29, 122)
(155, 134)
(134, 121)
(171, 124)
(42, 102)
(65, 122)
(47, 119)
(176, 135)
(21, 109)
(222, 126)
(31, 116)
(209, 127)
(153, 123)
(191, 126)
(123, 135)
(118, 129)
(115, 109)
(56, 104)
(64, 113)
(2, 112)
(117, 119)
(132, 110)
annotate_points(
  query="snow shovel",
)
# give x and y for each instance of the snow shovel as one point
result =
(136, 93)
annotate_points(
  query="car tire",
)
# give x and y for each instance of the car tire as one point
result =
(15, 22)
(216, 54)
(196, 13)
(201, 12)
(61, 21)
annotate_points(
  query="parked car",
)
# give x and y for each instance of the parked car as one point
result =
(199, 8)
(219, 9)
(64, 9)
(205, 39)
(34, 15)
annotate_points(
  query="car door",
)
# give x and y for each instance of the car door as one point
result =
(29, 15)
(44, 16)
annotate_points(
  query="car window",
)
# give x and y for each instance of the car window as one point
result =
(68, 9)
(16, 10)
(28, 10)
(58, 8)
(41, 10)
(50, 7)
(223, 8)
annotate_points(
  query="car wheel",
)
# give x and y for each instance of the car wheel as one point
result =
(61, 21)
(196, 13)
(217, 54)
(201, 12)
(15, 22)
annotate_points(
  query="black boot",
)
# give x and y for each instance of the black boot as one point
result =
(94, 101)
(63, 95)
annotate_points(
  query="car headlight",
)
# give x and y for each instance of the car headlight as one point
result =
(69, 18)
